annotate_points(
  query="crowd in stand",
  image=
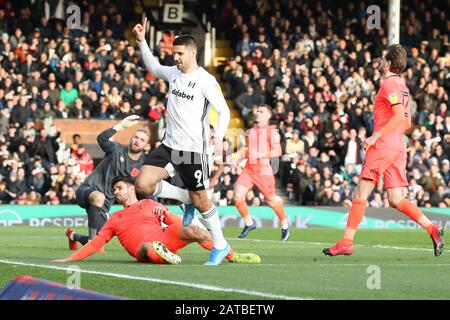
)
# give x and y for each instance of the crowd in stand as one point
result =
(49, 71)
(314, 62)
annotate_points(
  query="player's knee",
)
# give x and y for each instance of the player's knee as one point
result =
(238, 199)
(97, 199)
(274, 200)
(357, 194)
(143, 186)
(194, 233)
(394, 201)
(191, 233)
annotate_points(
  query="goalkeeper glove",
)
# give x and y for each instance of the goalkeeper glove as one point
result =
(127, 122)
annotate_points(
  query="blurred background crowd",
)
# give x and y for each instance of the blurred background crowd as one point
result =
(314, 62)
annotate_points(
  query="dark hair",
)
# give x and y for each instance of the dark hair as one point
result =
(398, 58)
(127, 180)
(185, 40)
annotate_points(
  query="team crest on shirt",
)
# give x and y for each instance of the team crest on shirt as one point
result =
(122, 159)
(393, 98)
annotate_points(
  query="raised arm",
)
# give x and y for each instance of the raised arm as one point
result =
(150, 62)
(104, 138)
(107, 145)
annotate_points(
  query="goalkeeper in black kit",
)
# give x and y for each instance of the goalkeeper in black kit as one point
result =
(96, 196)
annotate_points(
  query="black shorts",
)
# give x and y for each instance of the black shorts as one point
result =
(191, 166)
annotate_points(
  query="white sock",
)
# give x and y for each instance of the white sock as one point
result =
(168, 191)
(211, 221)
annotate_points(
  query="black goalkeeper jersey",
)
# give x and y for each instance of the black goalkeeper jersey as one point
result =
(116, 163)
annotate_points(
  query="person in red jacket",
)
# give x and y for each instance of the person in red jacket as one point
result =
(85, 160)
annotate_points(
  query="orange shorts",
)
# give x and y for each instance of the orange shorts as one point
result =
(389, 164)
(265, 183)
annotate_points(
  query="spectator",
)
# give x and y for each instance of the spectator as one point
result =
(320, 75)
(40, 181)
(84, 160)
(46, 147)
(69, 94)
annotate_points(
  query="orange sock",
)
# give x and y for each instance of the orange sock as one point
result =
(354, 219)
(279, 210)
(415, 214)
(242, 208)
(154, 258)
(208, 245)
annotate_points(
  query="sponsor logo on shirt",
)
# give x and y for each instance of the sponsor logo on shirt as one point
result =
(182, 94)
(191, 84)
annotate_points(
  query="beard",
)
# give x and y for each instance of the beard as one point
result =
(119, 200)
(134, 149)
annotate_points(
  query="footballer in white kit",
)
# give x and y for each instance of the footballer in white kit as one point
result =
(184, 147)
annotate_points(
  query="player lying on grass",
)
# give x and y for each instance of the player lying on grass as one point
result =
(148, 231)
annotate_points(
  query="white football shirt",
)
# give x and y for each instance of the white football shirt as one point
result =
(190, 97)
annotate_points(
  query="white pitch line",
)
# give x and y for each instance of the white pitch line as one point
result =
(279, 265)
(378, 246)
(30, 237)
(171, 282)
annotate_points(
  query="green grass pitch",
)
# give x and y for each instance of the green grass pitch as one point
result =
(295, 269)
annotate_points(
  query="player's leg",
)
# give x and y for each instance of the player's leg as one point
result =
(242, 186)
(96, 213)
(375, 164)
(93, 202)
(194, 172)
(150, 180)
(266, 184)
(210, 216)
(357, 211)
(395, 181)
(157, 253)
(197, 232)
(160, 188)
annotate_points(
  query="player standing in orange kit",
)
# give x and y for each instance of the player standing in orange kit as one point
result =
(140, 231)
(263, 143)
(386, 156)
